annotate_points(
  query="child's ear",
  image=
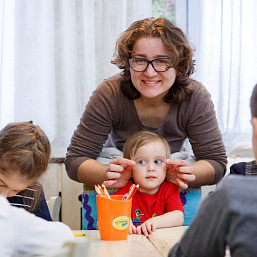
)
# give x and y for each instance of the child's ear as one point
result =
(254, 124)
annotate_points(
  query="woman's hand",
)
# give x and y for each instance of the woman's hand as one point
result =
(179, 172)
(118, 172)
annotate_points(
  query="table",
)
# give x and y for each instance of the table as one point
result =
(135, 246)
(165, 238)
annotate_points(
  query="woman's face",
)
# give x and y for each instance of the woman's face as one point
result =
(11, 184)
(150, 83)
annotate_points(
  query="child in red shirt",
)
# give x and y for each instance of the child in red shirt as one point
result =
(156, 204)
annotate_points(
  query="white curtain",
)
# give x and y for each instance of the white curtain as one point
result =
(53, 54)
(227, 63)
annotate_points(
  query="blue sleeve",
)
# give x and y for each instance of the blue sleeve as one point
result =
(238, 168)
(42, 210)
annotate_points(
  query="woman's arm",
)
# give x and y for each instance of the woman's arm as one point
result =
(91, 172)
(169, 219)
(197, 117)
(91, 134)
(204, 174)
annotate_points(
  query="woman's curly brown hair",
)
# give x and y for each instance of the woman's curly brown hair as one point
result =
(174, 39)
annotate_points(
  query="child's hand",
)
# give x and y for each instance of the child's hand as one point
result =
(146, 228)
(132, 228)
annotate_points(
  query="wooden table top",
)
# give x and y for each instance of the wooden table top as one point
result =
(165, 238)
(157, 244)
(136, 245)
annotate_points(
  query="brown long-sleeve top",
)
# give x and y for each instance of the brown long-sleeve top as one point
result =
(110, 118)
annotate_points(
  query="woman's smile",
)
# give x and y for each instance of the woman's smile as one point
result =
(151, 83)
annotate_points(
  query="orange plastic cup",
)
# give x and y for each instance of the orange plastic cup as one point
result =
(113, 217)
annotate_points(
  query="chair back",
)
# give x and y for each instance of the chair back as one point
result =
(54, 206)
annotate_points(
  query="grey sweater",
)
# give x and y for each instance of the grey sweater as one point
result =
(110, 118)
(227, 216)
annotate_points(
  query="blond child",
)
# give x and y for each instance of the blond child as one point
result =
(156, 204)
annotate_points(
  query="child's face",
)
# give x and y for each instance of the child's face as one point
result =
(150, 169)
(11, 184)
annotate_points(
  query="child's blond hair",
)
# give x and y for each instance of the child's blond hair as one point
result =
(142, 138)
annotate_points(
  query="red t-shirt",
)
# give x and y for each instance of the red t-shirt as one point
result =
(145, 206)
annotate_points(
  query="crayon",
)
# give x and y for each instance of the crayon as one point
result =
(102, 192)
(98, 190)
(125, 197)
(105, 191)
(79, 234)
(130, 193)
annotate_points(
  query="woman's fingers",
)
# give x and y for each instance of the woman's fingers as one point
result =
(118, 172)
(186, 177)
(110, 183)
(179, 172)
(185, 169)
(177, 162)
(117, 166)
(183, 179)
(181, 184)
(113, 174)
(122, 161)
(120, 167)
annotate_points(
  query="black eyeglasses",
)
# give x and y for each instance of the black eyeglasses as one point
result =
(159, 65)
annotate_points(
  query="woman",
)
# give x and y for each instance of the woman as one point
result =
(154, 93)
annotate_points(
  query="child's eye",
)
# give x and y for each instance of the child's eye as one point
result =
(158, 161)
(142, 162)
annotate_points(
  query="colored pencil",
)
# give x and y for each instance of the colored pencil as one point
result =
(98, 191)
(130, 193)
(100, 188)
(105, 191)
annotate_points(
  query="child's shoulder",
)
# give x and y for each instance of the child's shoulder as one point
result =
(168, 187)
(169, 184)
